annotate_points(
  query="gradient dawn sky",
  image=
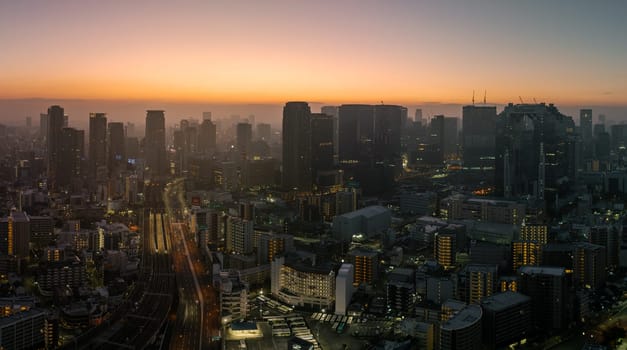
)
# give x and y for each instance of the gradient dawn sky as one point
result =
(569, 52)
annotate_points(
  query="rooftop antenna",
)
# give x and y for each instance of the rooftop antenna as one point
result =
(485, 92)
(473, 97)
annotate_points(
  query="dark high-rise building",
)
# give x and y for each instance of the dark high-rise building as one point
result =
(478, 130)
(117, 147)
(321, 144)
(55, 125)
(154, 143)
(506, 319)
(97, 142)
(370, 133)
(619, 137)
(43, 126)
(297, 172)
(551, 295)
(71, 144)
(388, 120)
(585, 125)
(334, 113)
(244, 138)
(535, 146)
(356, 133)
(264, 132)
(207, 137)
(370, 144)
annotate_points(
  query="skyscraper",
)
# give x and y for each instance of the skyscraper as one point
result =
(535, 146)
(55, 118)
(71, 144)
(264, 132)
(478, 130)
(334, 113)
(585, 129)
(117, 149)
(244, 138)
(297, 172)
(356, 133)
(97, 142)
(154, 143)
(207, 136)
(321, 144)
(585, 124)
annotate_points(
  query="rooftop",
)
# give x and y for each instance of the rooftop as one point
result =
(464, 318)
(542, 270)
(502, 301)
(370, 211)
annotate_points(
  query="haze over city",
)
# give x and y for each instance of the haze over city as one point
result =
(313, 175)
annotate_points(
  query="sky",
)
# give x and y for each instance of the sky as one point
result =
(569, 52)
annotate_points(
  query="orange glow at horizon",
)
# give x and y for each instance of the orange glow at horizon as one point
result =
(351, 52)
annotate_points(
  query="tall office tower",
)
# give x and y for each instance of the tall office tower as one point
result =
(131, 149)
(129, 129)
(239, 236)
(206, 116)
(619, 137)
(207, 137)
(481, 282)
(264, 132)
(388, 120)
(43, 126)
(551, 296)
(71, 144)
(154, 143)
(444, 249)
(97, 142)
(333, 111)
(506, 319)
(463, 331)
(117, 148)
(435, 141)
(478, 130)
(344, 288)
(526, 133)
(585, 129)
(54, 127)
(321, 146)
(297, 172)
(443, 137)
(418, 115)
(356, 133)
(369, 150)
(526, 253)
(244, 138)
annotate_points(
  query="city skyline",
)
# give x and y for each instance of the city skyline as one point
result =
(568, 53)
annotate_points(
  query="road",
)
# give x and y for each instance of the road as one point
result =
(198, 315)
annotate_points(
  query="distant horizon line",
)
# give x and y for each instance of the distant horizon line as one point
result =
(275, 103)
